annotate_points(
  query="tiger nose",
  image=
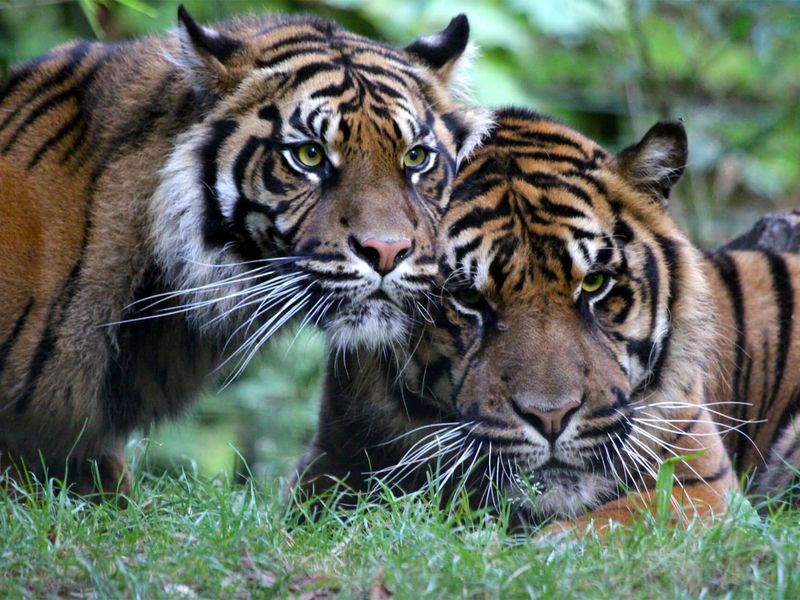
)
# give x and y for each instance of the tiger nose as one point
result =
(381, 255)
(550, 423)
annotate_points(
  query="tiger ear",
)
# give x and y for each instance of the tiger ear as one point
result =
(208, 53)
(441, 51)
(657, 162)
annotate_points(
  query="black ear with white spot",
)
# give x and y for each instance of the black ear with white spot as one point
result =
(441, 51)
(657, 162)
(207, 52)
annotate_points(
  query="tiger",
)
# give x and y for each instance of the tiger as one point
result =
(582, 345)
(169, 203)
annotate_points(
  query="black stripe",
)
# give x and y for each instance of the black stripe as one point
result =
(548, 181)
(561, 210)
(289, 54)
(304, 38)
(555, 157)
(461, 251)
(77, 142)
(76, 54)
(214, 230)
(56, 138)
(55, 317)
(653, 279)
(669, 250)
(391, 74)
(8, 343)
(784, 299)
(722, 471)
(311, 70)
(479, 216)
(21, 74)
(730, 279)
(531, 137)
(75, 92)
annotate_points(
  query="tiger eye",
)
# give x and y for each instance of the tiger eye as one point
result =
(593, 282)
(310, 154)
(415, 157)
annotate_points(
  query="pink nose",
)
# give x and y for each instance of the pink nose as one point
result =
(381, 255)
(550, 423)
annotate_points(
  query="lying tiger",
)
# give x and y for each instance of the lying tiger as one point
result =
(222, 179)
(582, 342)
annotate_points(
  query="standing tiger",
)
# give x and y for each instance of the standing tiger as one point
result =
(581, 342)
(222, 179)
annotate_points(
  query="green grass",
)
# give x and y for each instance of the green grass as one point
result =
(191, 533)
(187, 536)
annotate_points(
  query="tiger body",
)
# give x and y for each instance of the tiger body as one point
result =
(756, 383)
(165, 178)
(528, 382)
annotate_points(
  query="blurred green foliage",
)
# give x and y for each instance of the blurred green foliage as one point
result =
(611, 68)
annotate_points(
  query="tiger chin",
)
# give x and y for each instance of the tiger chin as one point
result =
(169, 203)
(574, 351)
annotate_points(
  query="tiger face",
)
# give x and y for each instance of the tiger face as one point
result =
(325, 163)
(578, 329)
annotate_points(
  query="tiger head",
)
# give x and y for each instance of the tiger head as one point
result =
(316, 175)
(578, 324)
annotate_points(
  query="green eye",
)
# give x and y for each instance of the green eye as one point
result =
(311, 155)
(593, 282)
(415, 157)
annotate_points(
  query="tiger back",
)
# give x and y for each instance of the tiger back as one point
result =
(168, 204)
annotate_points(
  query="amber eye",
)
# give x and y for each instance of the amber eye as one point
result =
(593, 282)
(310, 154)
(415, 157)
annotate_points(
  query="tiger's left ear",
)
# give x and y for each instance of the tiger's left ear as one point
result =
(440, 52)
(445, 54)
(657, 162)
(209, 54)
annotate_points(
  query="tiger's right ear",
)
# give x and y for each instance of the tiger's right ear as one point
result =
(209, 54)
(441, 51)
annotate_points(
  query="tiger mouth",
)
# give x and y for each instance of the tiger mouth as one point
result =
(376, 298)
(375, 321)
(556, 464)
(380, 295)
(553, 475)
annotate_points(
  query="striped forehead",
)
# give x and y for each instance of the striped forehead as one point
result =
(327, 61)
(534, 246)
(323, 118)
(344, 83)
(528, 207)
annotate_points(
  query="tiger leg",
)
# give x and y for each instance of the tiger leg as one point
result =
(686, 503)
(96, 478)
(10, 472)
(105, 475)
(700, 491)
(320, 472)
